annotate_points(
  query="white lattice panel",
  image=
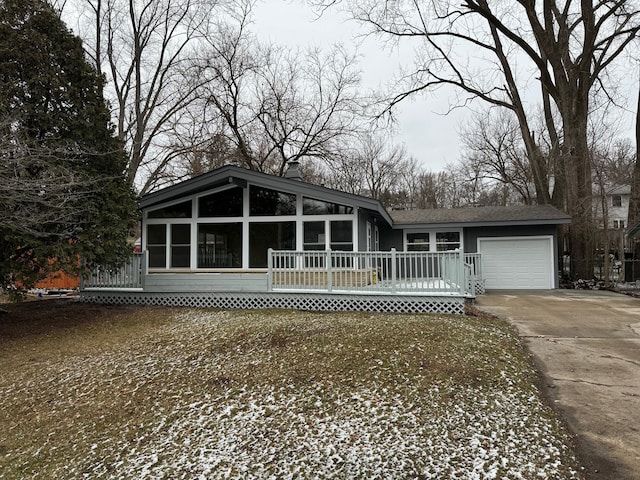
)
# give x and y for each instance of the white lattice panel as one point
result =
(313, 302)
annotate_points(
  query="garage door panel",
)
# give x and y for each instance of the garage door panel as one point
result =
(517, 263)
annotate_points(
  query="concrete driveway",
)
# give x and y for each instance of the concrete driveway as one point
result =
(587, 347)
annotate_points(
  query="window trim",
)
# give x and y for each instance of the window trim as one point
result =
(433, 243)
(615, 203)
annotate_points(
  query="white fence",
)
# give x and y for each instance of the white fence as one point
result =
(129, 275)
(376, 272)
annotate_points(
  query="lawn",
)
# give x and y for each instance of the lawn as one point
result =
(99, 392)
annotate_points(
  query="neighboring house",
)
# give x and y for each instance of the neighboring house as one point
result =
(247, 239)
(617, 205)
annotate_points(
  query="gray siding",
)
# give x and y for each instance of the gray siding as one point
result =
(205, 282)
(391, 239)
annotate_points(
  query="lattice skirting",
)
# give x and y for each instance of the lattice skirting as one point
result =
(479, 284)
(298, 301)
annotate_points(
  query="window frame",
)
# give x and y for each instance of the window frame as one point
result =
(433, 239)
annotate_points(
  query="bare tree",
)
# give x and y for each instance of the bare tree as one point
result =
(374, 167)
(142, 48)
(278, 106)
(568, 46)
(309, 104)
(493, 142)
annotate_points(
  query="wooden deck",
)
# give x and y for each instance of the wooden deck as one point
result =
(364, 281)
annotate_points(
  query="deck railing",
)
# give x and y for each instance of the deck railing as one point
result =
(128, 275)
(376, 272)
(389, 272)
(473, 268)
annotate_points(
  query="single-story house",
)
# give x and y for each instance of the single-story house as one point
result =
(236, 234)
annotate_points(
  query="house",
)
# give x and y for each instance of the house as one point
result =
(617, 199)
(236, 238)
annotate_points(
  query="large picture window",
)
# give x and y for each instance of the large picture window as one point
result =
(418, 242)
(227, 203)
(179, 210)
(311, 206)
(342, 235)
(447, 241)
(157, 245)
(180, 246)
(267, 202)
(220, 245)
(314, 236)
(263, 236)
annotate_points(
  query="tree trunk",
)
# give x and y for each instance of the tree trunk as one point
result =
(634, 201)
(577, 169)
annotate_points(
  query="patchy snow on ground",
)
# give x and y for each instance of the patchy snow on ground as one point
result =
(326, 428)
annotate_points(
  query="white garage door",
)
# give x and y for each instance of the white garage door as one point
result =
(517, 262)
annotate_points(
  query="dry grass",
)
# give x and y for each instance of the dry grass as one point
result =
(121, 392)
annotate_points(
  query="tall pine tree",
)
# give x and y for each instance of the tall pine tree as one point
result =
(62, 188)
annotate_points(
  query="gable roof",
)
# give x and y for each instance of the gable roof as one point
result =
(481, 216)
(230, 174)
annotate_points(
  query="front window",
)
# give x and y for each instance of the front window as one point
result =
(418, 242)
(266, 202)
(447, 241)
(157, 245)
(227, 203)
(342, 235)
(314, 236)
(180, 246)
(220, 245)
(179, 210)
(616, 200)
(263, 236)
(311, 206)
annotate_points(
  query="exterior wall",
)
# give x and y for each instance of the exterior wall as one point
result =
(392, 239)
(205, 282)
(615, 213)
(365, 216)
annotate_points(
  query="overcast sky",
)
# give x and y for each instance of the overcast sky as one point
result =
(429, 136)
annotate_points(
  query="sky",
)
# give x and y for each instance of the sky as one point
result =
(428, 135)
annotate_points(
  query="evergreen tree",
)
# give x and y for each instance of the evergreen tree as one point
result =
(62, 186)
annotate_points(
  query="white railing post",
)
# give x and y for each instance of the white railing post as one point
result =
(394, 273)
(144, 267)
(270, 270)
(329, 270)
(461, 273)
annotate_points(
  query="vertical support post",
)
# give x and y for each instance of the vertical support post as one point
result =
(462, 284)
(394, 272)
(270, 270)
(329, 270)
(144, 270)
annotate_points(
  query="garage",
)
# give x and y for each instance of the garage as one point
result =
(517, 262)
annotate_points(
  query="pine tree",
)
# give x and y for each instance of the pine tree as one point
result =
(62, 186)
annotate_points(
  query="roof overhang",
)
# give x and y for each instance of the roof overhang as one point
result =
(501, 223)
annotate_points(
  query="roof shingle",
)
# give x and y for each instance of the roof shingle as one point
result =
(482, 215)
